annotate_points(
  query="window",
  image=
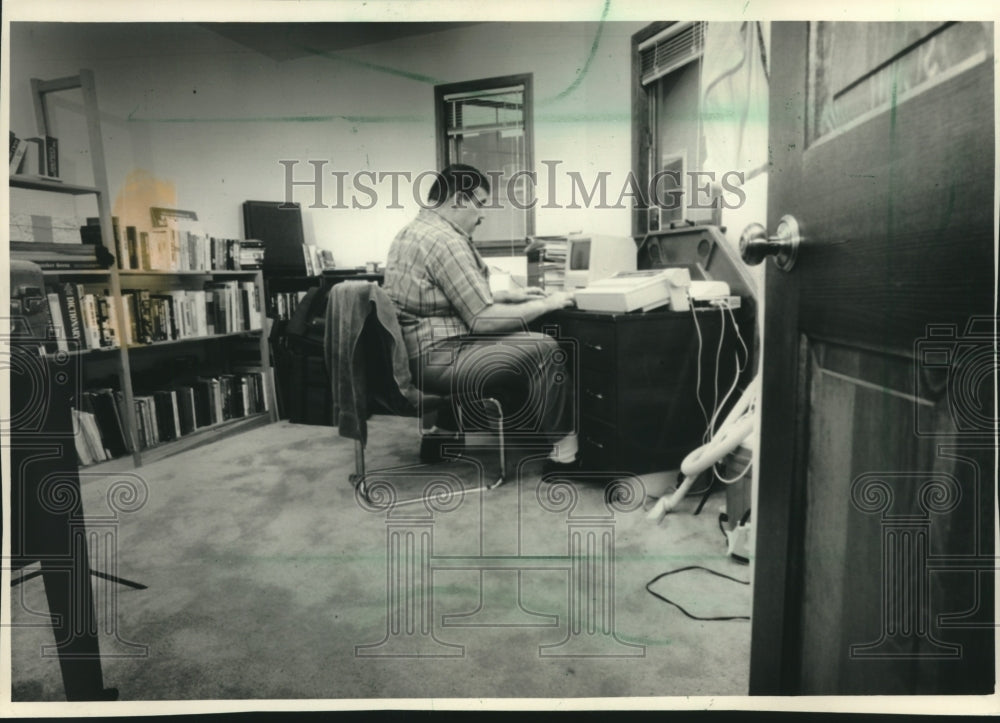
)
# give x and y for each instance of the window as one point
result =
(487, 124)
(667, 68)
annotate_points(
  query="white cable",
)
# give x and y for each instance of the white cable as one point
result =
(697, 386)
(718, 362)
(735, 479)
(746, 350)
(739, 372)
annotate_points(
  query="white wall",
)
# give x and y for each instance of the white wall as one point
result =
(196, 121)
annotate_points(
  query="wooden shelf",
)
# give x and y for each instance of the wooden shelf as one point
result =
(76, 272)
(187, 339)
(197, 438)
(160, 272)
(40, 183)
(117, 363)
(81, 352)
(171, 342)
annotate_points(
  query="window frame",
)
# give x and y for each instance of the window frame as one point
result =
(644, 138)
(493, 83)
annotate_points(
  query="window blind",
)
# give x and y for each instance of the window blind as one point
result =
(668, 50)
(485, 111)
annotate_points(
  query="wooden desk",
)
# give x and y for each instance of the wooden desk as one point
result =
(637, 376)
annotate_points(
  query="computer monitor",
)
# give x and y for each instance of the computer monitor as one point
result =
(592, 257)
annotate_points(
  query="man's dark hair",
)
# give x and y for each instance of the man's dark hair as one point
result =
(456, 178)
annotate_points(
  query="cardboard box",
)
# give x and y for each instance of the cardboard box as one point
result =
(66, 230)
(21, 227)
(44, 229)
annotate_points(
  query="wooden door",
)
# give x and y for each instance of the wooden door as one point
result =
(877, 497)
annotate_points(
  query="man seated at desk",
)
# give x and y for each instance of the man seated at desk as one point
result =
(461, 337)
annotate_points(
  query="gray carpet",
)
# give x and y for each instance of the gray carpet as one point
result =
(267, 579)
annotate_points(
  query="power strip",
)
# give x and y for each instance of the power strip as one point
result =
(733, 302)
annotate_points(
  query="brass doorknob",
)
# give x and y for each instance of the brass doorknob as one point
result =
(755, 244)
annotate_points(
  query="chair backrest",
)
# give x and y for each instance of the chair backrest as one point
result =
(366, 357)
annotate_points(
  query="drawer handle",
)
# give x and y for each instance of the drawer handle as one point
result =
(593, 443)
(595, 395)
(595, 347)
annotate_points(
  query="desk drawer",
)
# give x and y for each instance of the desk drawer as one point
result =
(595, 341)
(598, 445)
(597, 395)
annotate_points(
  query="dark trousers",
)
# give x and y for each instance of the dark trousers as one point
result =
(526, 371)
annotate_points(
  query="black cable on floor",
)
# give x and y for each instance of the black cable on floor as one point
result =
(695, 567)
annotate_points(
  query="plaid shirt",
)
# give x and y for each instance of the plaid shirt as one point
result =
(437, 279)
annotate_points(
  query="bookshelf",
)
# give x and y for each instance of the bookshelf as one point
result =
(184, 367)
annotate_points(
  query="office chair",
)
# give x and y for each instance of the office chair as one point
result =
(369, 372)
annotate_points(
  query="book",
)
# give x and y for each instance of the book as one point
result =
(57, 325)
(132, 246)
(106, 320)
(175, 407)
(109, 422)
(92, 437)
(202, 403)
(71, 306)
(91, 325)
(18, 149)
(140, 424)
(89, 427)
(33, 163)
(123, 418)
(149, 415)
(165, 311)
(128, 330)
(142, 315)
(47, 155)
(51, 156)
(144, 250)
(114, 328)
(186, 405)
(164, 415)
(82, 450)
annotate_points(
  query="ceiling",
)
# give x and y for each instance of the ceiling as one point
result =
(288, 41)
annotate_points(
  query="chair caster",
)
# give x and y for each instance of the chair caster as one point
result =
(360, 488)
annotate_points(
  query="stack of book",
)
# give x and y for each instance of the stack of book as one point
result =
(316, 259)
(222, 307)
(81, 319)
(547, 262)
(34, 156)
(168, 414)
(282, 304)
(173, 249)
(56, 255)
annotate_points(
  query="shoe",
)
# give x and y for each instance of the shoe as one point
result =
(432, 445)
(553, 471)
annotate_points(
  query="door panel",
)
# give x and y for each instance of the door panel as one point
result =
(876, 502)
(903, 224)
